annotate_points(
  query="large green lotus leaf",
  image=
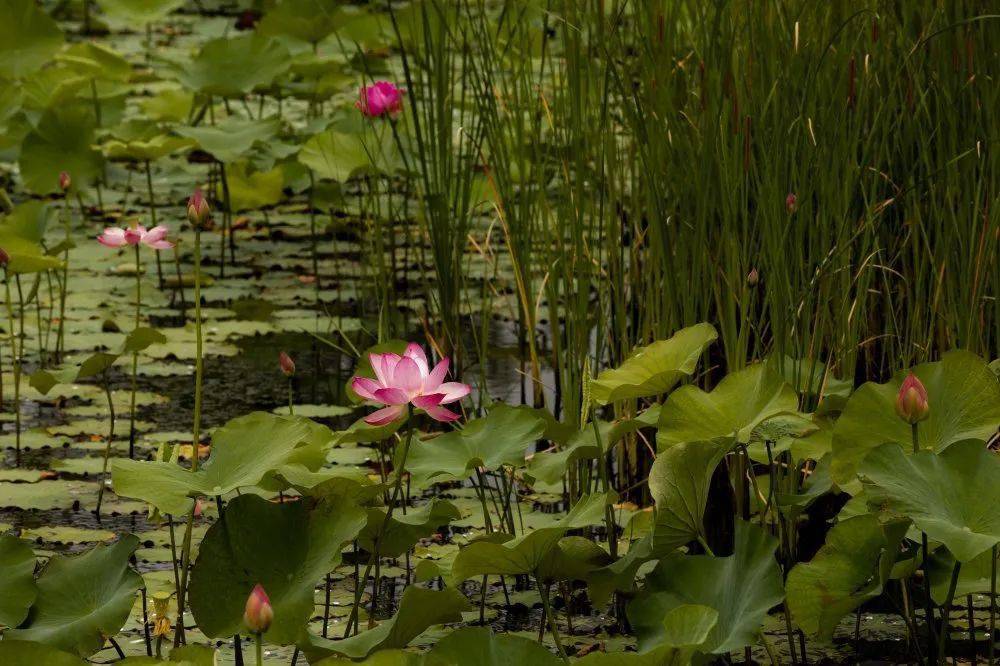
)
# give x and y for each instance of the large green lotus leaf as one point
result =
(404, 530)
(620, 574)
(285, 547)
(656, 368)
(742, 400)
(335, 155)
(500, 438)
(952, 495)
(232, 138)
(95, 61)
(29, 220)
(83, 598)
(683, 629)
(523, 554)
(249, 189)
(850, 568)
(147, 149)
(973, 577)
(380, 658)
(549, 466)
(572, 558)
(307, 20)
(26, 652)
(816, 485)
(186, 655)
(480, 646)
(810, 377)
(964, 398)
(678, 483)
(231, 67)
(17, 580)
(741, 588)
(244, 451)
(419, 608)
(28, 38)
(60, 142)
(137, 13)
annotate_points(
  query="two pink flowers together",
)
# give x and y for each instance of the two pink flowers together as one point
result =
(407, 379)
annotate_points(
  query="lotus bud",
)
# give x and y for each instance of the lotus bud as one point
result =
(753, 277)
(911, 403)
(198, 212)
(791, 203)
(258, 613)
(286, 364)
(64, 181)
(4, 258)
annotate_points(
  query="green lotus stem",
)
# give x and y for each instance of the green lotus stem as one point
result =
(135, 356)
(771, 655)
(259, 640)
(543, 591)
(945, 611)
(198, 365)
(602, 470)
(64, 286)
(196, 436)
(928, 603)
(396, 490)
(993, 605)
(16, 358)
(153, 222)
(291, 398)
(107, 445)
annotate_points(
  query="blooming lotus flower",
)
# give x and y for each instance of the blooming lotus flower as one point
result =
(380, 99)
(258, 612)
(408, 380)
(154, 238)
(911, 401)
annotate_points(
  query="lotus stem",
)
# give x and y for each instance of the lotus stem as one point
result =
(16, 362)
(928, 602)
(543, 590)
(259, 640)
(993, 607)
(135, 355)
(107, 445)
(945, 611)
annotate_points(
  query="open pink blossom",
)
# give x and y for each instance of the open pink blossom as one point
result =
(408, 380)
(380, 99)
(154, 238)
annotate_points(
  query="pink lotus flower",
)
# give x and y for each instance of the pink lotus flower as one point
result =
(408, 380)
(258, 614)
(380, 99)
(911, 401)
(154, 238)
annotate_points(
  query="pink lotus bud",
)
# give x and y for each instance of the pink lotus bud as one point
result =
(258, 612)
(4, 257)
(791, 203)
(380, 99)
(286, 364)
(753, 277)
(911, 402)
(64, 181)
(198, 212)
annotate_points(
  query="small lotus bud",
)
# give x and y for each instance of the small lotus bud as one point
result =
(198, 212)
(286, 364)
(64, 181)
(4, 257)
(791, 203)
(911, 402)
(258, 613)
(753, 277)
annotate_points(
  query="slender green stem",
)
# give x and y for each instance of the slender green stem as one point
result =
(16, 362)
(993, 606)
(374, 556)
(107, 445)
(543, 590)
(135, 355)
(291, 398)
(925, 553)
(945, 611)
(259, 640)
